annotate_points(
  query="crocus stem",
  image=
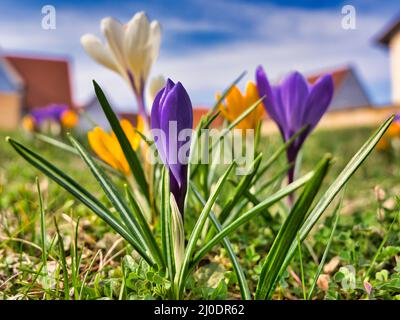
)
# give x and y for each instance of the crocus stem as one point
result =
(139, 96)
(141, 106)
(290, 180)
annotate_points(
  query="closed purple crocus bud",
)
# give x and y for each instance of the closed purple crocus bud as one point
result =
(171, 124)
(294, 104)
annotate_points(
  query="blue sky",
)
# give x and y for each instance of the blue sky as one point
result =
(207, 43)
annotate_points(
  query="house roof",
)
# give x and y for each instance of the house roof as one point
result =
(390, 30)
(198, 112)
(46, 80)
(338, 75)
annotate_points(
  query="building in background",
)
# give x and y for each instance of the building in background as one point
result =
(390, 38)
(92, 115)
(28, 82)
(349, 90)
(11, 86)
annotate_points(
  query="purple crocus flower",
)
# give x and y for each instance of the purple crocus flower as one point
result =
(51, 112)
(172, 116)
(295, 104)
(54, 113)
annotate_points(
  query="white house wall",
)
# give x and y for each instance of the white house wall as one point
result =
(350, 94)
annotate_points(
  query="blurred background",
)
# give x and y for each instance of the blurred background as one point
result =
(205, 45)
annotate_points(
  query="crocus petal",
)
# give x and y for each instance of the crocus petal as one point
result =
(131, 134)
(318, 101)
(235, 103)
(155, 124)
(114, 32)
(155, 85)
(96, 141)
(265, 90)
(176, 107)
(131, 50)
(279, 111)
(153, 48)
(98, 51)
(173, 104)
(294, 93)
(135, 42)
(155, 39)
(250, 98)
(28, 123)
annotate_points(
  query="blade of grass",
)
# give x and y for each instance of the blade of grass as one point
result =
(56, 143)
(265, 204)
(279, 151)
(326, 251)
(130, 154)
(244, 184)
(279, 175)
(194, 236)
(63, 261)
(143, 225)
(166, 227)
(240, 188)
(303, 285)
(63, 146)
(116, 200)
(76, 190)
(42, 224)
(87, 273)
(287, 233)
(225, 131)
(244, 288)
(380, 248)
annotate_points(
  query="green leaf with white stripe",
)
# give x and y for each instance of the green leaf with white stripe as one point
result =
(77, 191)
(244, 288)
(287, 233)
(336, 186)
(195, 234)
(130, 154)
(117, 201)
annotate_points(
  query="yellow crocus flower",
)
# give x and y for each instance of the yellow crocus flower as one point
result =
(28, 123)
(236, 103)
(393, 133)
(69, 119)
(107, 147)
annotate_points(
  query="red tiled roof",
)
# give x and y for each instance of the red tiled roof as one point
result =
(46, 80)
(198, 112)
(338, 76)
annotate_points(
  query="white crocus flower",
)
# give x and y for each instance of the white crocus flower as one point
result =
(130, 50)
(155, 85)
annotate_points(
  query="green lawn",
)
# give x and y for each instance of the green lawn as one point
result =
(102, 266)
